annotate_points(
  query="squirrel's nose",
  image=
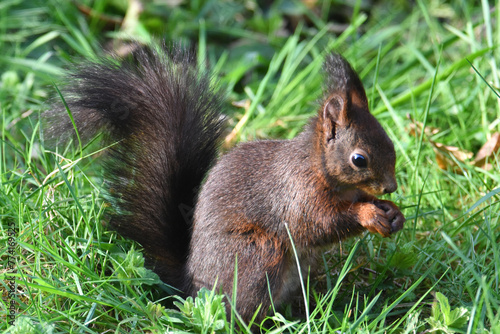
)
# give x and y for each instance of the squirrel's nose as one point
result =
(390, 186)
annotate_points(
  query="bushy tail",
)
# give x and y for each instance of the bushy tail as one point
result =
(163, 116)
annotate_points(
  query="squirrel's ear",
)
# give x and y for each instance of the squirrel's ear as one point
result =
(358, 97)
(334, 114)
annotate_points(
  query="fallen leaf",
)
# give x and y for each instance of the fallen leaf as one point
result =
(444, 153)
(489, 149)
(459, 154)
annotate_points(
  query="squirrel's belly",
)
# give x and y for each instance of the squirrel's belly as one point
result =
(310, 260)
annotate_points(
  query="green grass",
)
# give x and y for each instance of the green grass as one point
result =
(441, 273)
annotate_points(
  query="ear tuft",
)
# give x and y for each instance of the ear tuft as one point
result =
(342, 78)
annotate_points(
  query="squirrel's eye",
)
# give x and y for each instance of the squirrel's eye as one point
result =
(358, 160)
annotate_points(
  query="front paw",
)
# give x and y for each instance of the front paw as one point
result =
(394, 215)
(374, 219)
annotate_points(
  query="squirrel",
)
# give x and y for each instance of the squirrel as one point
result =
(199, 216)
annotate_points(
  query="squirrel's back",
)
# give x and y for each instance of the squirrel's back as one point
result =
(162, 117)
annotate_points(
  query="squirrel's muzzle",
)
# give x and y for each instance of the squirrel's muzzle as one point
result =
(390, 185)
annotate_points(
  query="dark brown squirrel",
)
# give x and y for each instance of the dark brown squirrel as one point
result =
(163, 117)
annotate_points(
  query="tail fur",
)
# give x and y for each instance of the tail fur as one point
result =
(164, 117)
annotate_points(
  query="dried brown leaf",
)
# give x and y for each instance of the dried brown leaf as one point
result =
(459, 154)
(489, 149)
(444, 153)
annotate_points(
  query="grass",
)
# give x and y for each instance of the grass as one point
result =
(433, 64)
